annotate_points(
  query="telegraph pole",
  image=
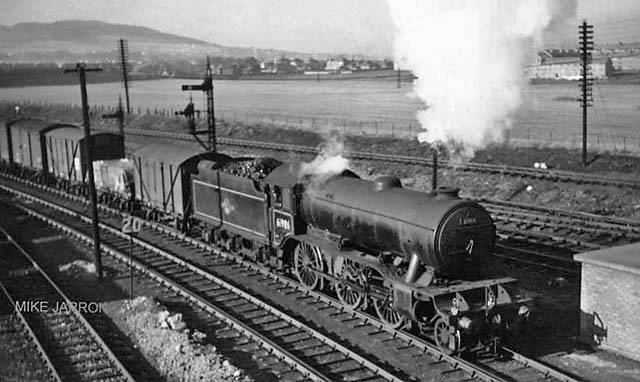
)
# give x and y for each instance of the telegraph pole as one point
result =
(123, 47)
(88, 148)
(399, 80)
(586, 84)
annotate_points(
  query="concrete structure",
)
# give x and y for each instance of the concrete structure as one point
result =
(629, 64)
(610, 299)
(567, 71)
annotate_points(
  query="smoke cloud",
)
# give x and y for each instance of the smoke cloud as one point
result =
(561, 11)
(469, 57)
(328, 162)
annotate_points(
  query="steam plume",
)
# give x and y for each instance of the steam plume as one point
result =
(328, 162)
(469, 58)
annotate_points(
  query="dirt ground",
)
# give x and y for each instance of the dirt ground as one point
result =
(555, 158)
(606, 200)
(178, 353)
(19, 358)
(184, 355)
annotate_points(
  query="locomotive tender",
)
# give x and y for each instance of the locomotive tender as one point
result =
(415, 258)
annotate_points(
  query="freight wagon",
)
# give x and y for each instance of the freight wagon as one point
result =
(53, 151)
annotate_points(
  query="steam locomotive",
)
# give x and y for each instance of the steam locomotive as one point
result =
(415, 258)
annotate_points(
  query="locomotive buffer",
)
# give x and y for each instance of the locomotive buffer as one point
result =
(189, 111)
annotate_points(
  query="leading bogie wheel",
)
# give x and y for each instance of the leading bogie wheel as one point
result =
(446, 336)
(307, 262)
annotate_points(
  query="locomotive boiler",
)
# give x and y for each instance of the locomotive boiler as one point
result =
(451, 236)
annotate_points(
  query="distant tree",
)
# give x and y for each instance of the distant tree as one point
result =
(249, 66)
(284, 66)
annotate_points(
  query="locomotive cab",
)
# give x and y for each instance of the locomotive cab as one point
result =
(283, 188)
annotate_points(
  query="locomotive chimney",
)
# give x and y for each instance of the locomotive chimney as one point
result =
(447, 193)
(386, 182)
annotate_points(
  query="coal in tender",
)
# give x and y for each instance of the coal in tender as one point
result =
(253, 168)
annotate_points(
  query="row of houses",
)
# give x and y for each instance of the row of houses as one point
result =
(569, 71)
(251, 66)
(567, 66)
(332, 65)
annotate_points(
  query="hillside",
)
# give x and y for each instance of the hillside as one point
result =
(61, 39)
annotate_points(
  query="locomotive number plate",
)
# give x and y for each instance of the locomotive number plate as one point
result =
(283, 225)
(468, 220)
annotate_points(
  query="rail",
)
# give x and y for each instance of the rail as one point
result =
(116, 370)
(545, 174)
(456, 362)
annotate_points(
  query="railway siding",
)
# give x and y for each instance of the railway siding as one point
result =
(546, 174)
(455, 362)
(67, 343)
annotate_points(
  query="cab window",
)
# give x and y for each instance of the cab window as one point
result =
(276, 197)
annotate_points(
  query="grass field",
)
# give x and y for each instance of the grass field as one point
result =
(549, 115)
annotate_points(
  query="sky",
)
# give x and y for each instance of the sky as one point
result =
(327, 26)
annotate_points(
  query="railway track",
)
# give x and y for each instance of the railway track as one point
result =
(158, 261)
(553, 236)
(314, 355)
(67, 344)
(524, 172)
(19, 342)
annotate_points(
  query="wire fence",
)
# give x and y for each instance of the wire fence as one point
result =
(525, 135)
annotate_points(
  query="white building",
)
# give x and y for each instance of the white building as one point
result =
(334, 65)
(565, 71)
(629, 64)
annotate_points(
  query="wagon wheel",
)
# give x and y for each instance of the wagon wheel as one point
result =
(387, 313)
(306, 260)
(447, 337)
(349, 296)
